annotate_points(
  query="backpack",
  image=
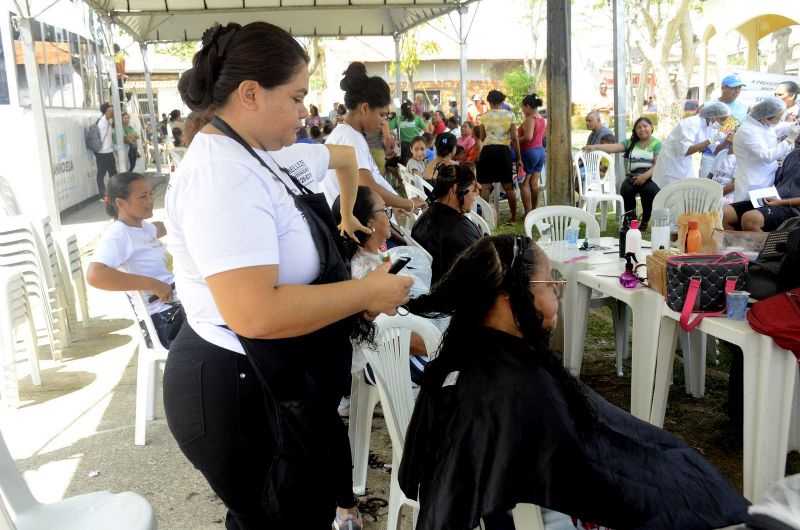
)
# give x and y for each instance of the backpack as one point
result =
(779, 317)
(775, 270)
(91, 137)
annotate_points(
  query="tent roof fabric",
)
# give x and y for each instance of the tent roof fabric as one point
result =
(186, 20)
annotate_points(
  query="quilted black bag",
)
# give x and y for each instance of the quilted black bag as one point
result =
(775, 269)
(699, 283)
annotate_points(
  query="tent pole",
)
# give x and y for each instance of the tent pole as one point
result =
(119, 132)
(462, 39)
(151, 106)
(398, 73)
(46, 186)
(620, 92)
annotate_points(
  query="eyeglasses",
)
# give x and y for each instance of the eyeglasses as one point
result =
(387, 210)
(558, 285)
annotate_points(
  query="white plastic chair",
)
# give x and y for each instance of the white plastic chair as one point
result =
(560, 217)
(8, 200)
(415, 180)
(101, 509)
(479, 222)
(176, 154)
(543, 186)
(389, 363)
(679, 197)
(406, 232)
(60, 276)
(15, 312)
(69, 260)
(146, 369)
(596, 189)
(487, 212)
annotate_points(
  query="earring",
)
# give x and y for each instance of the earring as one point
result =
(251, 93)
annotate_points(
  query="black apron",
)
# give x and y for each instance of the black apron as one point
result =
(303, 377)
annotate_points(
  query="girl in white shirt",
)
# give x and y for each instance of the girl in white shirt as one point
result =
(130, 255)
(254, 378)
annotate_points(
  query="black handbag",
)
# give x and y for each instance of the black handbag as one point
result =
(775, 269)
(699, 283)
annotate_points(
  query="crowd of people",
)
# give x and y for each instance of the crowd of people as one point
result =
(280, 219)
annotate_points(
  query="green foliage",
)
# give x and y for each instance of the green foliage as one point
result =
(412, 51)
(181, 50)
(519, 83)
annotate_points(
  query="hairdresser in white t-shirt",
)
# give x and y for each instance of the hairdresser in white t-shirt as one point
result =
(367, 100)
(269, 304)
(130, 255)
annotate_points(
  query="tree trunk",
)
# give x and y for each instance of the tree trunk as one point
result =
(782, 51)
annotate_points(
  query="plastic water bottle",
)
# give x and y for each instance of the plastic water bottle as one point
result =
(660, 229)
(572, 237)
(545, 239)
(633, 241)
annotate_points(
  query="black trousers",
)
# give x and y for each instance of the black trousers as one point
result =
(131, 158)
(215, 409)
(648, 192)
(106, 163)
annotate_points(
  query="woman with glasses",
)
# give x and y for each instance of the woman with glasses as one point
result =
(499, 421)
(442, 229)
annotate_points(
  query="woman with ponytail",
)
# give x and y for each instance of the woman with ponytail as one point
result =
(367, 101)
(442, 229)
(130, 255)
(252, 383)
(531, 137)
(499, 421)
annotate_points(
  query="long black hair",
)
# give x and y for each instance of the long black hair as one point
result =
(363, 210)
(119, 187)
(635, 137)
(496, 266)
(449, 174)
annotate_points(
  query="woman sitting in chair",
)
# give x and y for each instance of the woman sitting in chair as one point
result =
(499, 421)
(442, 229)
(132, 244)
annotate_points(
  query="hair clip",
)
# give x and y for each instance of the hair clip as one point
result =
(444, 141)
(211, 34)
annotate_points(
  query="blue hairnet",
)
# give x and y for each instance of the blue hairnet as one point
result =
(715, 109)
(767, 108)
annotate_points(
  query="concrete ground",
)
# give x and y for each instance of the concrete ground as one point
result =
(74, 433)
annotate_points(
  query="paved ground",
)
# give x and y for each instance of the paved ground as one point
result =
(74, 434)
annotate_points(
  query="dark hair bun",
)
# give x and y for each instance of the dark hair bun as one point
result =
(532, 100)
(354, 77)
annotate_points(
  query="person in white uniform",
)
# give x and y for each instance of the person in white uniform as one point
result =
(690, 136)
(254, 377)
(367, 101)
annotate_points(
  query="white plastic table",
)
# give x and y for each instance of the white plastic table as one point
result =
(561, 259)
(645, 304)
(768, 388)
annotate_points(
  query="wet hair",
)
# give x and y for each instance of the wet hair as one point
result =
(634, 136)
(405, 111)
(361, 88)
(532, 100)
(495, 97)
(417, 139)
(259, 51)
(494, 266)
(449, 174)
(119, 187)
(445, 143)
(792, 88)
(363, 210)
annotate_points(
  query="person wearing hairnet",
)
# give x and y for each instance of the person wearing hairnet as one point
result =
(690, 136)
(759, 143)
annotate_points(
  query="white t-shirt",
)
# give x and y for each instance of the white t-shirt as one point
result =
(136, 251)
(225, 211)
(673, 164)
(343, 134)
(105, 127)
(757, 153)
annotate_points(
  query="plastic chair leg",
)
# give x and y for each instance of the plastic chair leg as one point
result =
(396, 499)
(33, 350)
(152, 377)
(143, 374)
(363, 399)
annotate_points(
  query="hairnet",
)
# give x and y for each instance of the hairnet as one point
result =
(716, 109)
(767, 108)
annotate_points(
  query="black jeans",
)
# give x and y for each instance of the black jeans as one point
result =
(131, 158)
(215, 409)
(106, 163)
(648, 192)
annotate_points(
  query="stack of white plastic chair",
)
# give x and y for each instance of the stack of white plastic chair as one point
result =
(486, 212)
(479, 222)
(150, 358)
(60, 277)
(559, 218)
(598, 190)
(8, 200)
(22, 251)
(679, 197)
(69, 262)
(101, 509)
(389, 362)
(16, 314)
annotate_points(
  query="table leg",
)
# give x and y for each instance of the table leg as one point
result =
(667, 339)
(576, 330)
(643, 353)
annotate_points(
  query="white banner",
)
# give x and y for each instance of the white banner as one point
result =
(760, 85)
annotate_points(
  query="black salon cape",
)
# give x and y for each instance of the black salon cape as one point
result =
(504, 435)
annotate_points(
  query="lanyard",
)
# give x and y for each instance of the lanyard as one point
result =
(220, 124)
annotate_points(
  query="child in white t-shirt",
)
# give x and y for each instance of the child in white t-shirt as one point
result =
(416, 164)
(722, 171)
(130, 255)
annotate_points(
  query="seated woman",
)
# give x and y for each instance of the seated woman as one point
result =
(499, 421)
(640, 154)
(445, 149)
(132, 244)
(442, 229)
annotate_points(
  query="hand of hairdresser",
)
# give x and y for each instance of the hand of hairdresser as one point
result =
(162, 290)
(419, 204)
(388, 291)
(350, 225)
